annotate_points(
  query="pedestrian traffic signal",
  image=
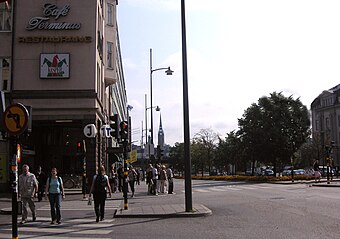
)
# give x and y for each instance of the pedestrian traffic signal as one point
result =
(124, 130)
(114, 125)
(80, 148)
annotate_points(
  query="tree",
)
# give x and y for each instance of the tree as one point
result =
(274, 129)
(176, 156)
(229, 151)
(207, 138)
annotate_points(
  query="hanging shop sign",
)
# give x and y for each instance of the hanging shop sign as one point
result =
(55, 66)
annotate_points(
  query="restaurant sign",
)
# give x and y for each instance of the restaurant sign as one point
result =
(52, 11)
(55, 66)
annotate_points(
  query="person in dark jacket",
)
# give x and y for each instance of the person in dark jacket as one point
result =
(99, 188)
(41, 177)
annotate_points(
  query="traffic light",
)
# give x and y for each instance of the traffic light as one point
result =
(114, 125)
(80, 148)
(124, 130)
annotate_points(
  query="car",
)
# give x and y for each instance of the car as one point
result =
(323, 172)
(287, 172)
(267, 172)
(299, 172)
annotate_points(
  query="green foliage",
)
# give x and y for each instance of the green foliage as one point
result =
(274, 129)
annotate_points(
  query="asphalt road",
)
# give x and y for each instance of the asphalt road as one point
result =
(240, 210)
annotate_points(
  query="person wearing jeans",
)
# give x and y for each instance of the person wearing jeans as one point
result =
(28, 187)
(55, 191)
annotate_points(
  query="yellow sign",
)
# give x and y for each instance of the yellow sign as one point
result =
(3, 168)
(133, 156)
(15, 119)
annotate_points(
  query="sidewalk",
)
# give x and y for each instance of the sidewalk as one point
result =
(161, 206)
(140, 206)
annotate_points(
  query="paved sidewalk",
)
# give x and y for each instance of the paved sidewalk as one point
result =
(142, 205)
(161, 206)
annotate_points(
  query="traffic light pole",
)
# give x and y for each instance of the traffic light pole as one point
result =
(14, 186)
(125, 183)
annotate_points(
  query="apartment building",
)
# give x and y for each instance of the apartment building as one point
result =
(326, 121)
(62, 58)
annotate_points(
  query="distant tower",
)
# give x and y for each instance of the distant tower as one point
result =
(160, 133)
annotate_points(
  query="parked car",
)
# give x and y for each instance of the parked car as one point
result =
(323, 172)
(267, 172)
(299, 172)
(287, 172)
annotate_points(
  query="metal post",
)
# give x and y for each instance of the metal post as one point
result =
(125, 183)
(151, 96)
(188, 189)
(14, 185)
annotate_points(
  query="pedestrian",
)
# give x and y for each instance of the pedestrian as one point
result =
(132, 175)
(113, 179)
(170, 180)
(54, 190)
(138, 176)
(163, 179)
(149, 179)
(28, 187)
(317, 174)
(158, 185)
(99, 188)
(41, 177)
(154, 181)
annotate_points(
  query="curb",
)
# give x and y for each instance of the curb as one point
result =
(199, 211)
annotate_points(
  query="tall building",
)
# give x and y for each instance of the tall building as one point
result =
(160, 133)
(63, 59)
(326, 121)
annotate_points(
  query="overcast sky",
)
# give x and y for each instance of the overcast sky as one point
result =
(238, 51)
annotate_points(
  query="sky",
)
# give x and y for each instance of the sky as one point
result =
(238, 51)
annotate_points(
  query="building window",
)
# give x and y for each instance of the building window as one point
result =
(109, 55)
(5, 15)
(5, 76)
(110, 14)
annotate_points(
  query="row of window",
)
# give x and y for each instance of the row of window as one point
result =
(5, 74)
(5, 15)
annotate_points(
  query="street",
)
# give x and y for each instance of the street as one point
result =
(240, 210)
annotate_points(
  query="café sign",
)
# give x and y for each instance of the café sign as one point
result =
(52, 11)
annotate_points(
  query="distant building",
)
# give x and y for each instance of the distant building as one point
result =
(160, 133)
(326, 121)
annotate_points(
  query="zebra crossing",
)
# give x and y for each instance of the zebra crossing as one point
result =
(225, 188)
(75, 227)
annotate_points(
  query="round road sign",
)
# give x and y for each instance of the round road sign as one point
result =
(15, 119)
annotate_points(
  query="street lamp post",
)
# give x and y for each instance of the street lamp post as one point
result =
(146, 126)
(188, 189)
(168, 71)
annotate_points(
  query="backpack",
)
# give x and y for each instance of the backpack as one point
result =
(59, 181)
(100, 184)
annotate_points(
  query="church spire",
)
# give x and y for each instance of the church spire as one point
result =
(160, 133)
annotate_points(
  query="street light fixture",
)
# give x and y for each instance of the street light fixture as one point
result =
(168, 71)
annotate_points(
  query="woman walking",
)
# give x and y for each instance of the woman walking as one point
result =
(100, 186)
(55, 191)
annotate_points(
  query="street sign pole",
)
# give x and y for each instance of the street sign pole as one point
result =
(14, 186)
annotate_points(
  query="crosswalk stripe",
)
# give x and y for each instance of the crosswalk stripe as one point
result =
(24, 236)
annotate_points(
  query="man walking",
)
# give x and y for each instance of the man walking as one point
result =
(28, 186)
(41, 177)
